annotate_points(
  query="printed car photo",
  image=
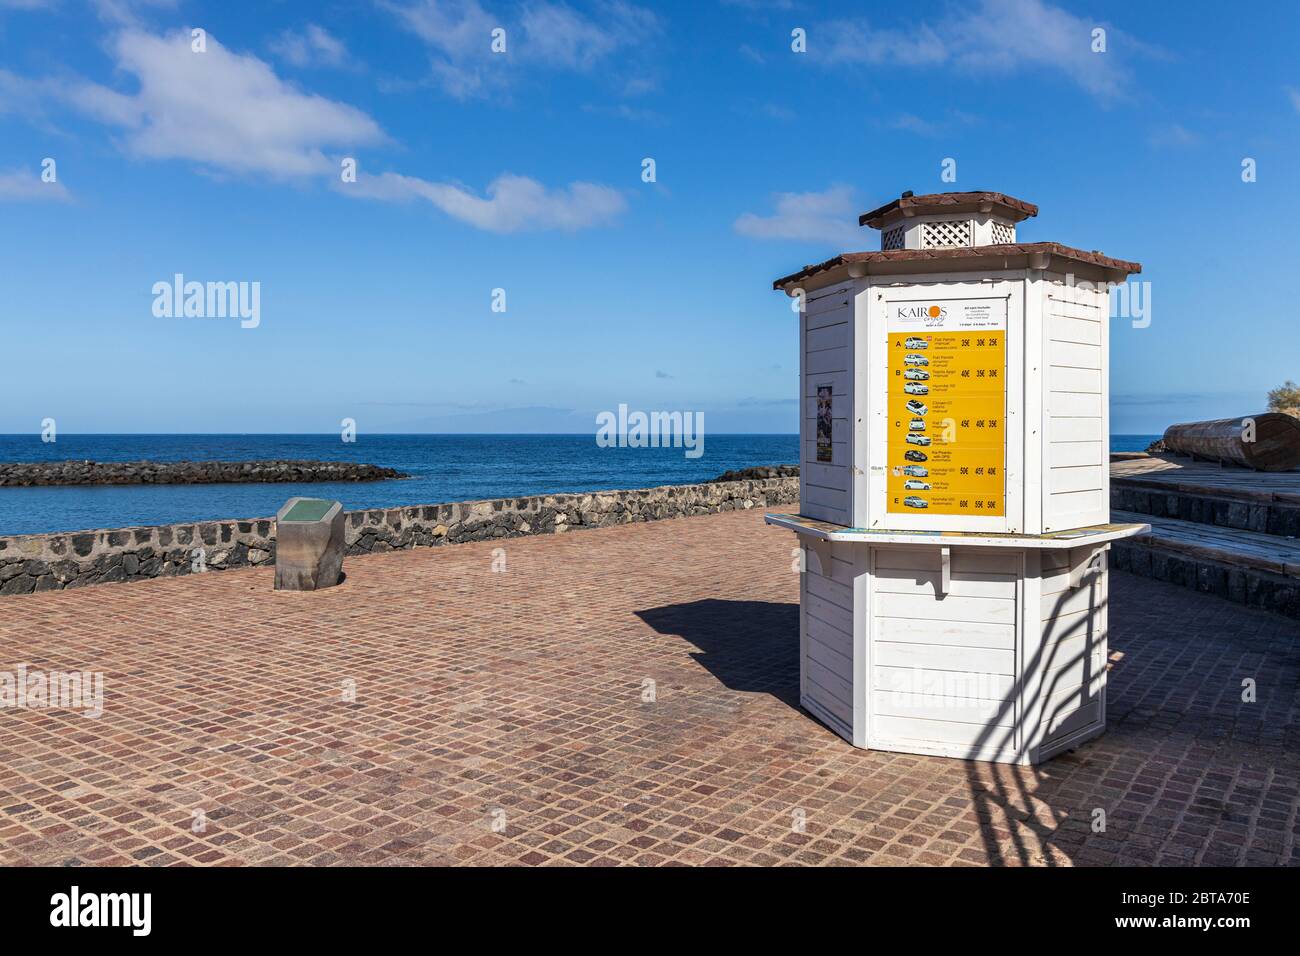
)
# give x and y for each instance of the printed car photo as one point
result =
(913, 388)
(912, 501)
(913, 455)
(912, 359)
(916, 471)
(916, 374)
(917, 408)
(916, 425)
(918, 439)
(913, 485)
(915, 342)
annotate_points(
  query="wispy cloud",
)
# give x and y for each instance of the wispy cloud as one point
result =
(22, 185)
(828, 216)
(1294, 94)
(512, 203)
(127, 12)
(312, 46)
(543, 34)
(1173, 135)
(910, 123)
(999, 36)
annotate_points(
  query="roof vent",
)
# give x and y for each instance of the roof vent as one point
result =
(948, 220)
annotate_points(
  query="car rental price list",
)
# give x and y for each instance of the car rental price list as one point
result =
(947, 407)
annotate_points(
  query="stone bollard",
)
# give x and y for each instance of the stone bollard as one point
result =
(309, 544)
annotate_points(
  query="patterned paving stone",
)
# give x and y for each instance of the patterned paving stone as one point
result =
(617, 697)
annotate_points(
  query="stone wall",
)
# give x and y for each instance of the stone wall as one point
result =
(1249, 586)
(53, 561)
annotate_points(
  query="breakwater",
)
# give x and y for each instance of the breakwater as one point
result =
(29, 474)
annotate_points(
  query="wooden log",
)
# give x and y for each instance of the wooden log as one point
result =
(1276, 444)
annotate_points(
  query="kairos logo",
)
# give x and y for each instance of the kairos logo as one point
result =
(922, 312)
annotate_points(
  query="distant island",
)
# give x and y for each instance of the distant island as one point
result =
(30, 474)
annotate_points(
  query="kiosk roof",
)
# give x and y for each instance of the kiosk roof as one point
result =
(1009, 207)
(1016, 250)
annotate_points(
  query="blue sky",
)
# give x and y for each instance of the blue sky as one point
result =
(523, 171)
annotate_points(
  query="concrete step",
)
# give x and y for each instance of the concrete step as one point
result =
(1185, 490)
(1260, 512)
(1255, 569)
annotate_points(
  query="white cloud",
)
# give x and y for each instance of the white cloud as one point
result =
(225, 110)
(513, 203)
(22, 185)
(1294, 93)
(312, 46)
(998, 36)
(829, 216)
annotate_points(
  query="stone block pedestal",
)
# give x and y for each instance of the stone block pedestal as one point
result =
(309, 545)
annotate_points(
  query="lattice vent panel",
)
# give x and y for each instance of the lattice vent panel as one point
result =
(937, 235)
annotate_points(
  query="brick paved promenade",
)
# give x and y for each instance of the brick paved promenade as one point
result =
(498, 719)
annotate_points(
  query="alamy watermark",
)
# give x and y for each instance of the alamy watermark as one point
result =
(651, 430)
(72, 690)
(208, 300)
(1128, 300)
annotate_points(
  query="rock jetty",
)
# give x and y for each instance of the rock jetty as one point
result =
(758, 473)
(40, 473)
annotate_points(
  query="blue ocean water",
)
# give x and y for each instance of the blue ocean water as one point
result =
(444, 468)
(1131, 442)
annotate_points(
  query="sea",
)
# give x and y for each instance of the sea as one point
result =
(442, 468)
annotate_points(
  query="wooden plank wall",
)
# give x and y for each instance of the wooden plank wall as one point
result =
(1075, 417)
(826, 604)
(944, 668)
(1072, 661)
(825, 489)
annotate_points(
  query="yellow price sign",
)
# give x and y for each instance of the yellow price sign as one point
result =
(947, 407)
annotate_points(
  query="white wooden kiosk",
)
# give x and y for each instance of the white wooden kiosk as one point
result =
(954, 484)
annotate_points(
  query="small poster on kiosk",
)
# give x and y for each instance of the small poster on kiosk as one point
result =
(825, 431)
(947, 407)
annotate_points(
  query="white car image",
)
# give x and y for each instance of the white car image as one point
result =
(916, 374)
(916, 471)
(915, 342)
(918, 439)
(916, 425)
(913, 388)
(911, 359)
(913, 485)
(912, 501)
(917, 408)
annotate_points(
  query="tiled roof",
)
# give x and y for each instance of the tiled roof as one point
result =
(1012, 208)
(1008, 250)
